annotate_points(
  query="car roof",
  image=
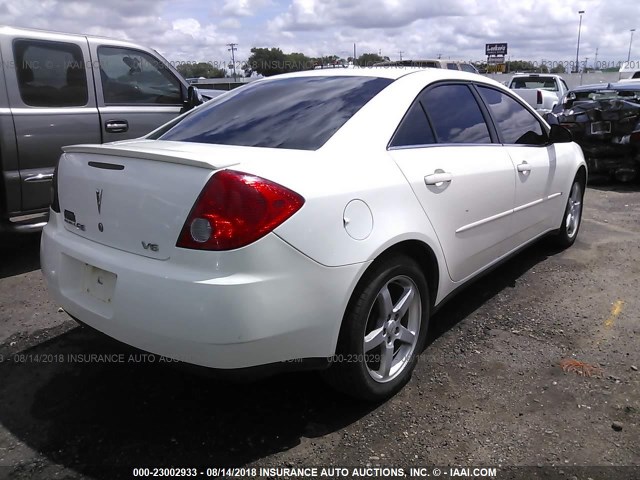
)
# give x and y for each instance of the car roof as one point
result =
(42, 34)
(392, 73)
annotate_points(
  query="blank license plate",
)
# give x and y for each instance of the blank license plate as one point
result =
(600, 127)
(99, 283)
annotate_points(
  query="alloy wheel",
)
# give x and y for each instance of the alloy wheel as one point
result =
(392, 329)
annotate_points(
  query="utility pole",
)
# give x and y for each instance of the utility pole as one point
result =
(400, 52)
(232, 48)
(595, 62)
(630, 42)
(439, 56)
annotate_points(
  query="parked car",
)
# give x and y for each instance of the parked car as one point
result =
(58, 89)
(605, 121)
(543, 92)
(318, 215)
(430, 63)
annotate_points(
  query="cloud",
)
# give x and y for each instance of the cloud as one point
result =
(243, 8)
(329, 14)
(189, 30)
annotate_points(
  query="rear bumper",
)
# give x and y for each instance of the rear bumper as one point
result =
(25, 223)
(262, 304)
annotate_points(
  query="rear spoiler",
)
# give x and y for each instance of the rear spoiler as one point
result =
(147, 152)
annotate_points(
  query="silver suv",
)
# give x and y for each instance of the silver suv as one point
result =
(59, 89)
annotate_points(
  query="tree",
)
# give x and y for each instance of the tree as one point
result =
(272, 61)
(368, 59)
(558, 69)
(266, 61)
(202, 69)
(296, 62)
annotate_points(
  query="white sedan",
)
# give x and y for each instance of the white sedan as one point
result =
(308, 220)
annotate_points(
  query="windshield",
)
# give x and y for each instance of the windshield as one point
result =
(297, 113)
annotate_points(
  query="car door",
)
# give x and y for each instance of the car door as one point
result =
(52, 104)
(136, 91)
(464, 181)
(538, 185)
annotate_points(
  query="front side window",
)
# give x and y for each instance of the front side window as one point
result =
(50, 74)
(452, 66)
(297, 113)
(455, 115)
(132, 77)
(516, 124)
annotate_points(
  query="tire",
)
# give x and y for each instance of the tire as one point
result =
(572, 218)
(388, 311)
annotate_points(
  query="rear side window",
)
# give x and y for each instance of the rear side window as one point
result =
(452, 66)
(50, 74)
(455, 115)
(516, 124)
(414, 129)
(298, 113)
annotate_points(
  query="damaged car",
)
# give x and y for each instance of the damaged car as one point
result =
(605, 121)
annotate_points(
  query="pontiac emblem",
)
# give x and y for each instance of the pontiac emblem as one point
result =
(99, 199)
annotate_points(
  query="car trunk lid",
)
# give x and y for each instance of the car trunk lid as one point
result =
(134, 196)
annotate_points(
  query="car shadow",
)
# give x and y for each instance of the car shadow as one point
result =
(92, 404)
(486, 286)
(613, 186)
(19, 253)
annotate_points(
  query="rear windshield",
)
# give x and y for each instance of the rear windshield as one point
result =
(298, 113)
(535, 82)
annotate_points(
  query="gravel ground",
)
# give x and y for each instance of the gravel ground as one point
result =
(488, 390)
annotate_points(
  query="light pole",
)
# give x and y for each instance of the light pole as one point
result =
(580, 12)
(630, 41)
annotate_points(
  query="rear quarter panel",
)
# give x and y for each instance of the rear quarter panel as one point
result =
(353, 165)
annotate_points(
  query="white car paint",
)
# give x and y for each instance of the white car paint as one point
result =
(284, 296)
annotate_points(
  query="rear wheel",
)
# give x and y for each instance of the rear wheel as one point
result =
(572, 215)
(383, 331)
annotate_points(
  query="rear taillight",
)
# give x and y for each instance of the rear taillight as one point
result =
(55, 203)
(539, 99)
(235, 209)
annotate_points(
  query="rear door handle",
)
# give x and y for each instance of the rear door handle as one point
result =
(438, 178)
(524, 167)
(116, 126)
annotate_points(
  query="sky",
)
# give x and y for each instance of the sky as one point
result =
(199, 30)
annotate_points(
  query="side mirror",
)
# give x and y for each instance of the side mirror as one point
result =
(194, 98)
(559, 134)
